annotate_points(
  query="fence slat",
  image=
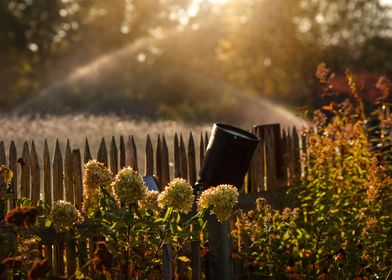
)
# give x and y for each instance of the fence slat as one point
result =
(59, 265)
(3, 161)
(87, 153)
(271, 160)
(158, 162)
(202, 150)
(68, 174)
(183, 159)
(25, 172)
(122, 152)
(58, 176)
(167, 263)
(165, 163)
(77, 177)
(177, 164)
(35, 175)
(257, 174)
(13, 156)
(149, 157)
(102, 155)
(47, 175)
(132, 153)
(113, 156)
(296, 153)
(191, 160)
(195, 260)
(70, 251)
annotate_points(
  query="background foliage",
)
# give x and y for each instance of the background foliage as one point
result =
(175, 53)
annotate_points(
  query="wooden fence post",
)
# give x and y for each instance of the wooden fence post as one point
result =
(35, 175)
(58, 175)
(132, 153)
(183, 159)
(202, 150)
(122, 152)
(25, 172)
(77, 178)
(177, 165)
(13, 156)
(167, 263)
(191, 160)
(68, 174)
(165, 163)
(102, 155)
(3, 161)
(47, 175)
(87, 153)
(219, 249)
(113, 156)
(149, 158)
(158, 163)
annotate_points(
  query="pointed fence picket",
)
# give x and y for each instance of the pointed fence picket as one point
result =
(275, 164)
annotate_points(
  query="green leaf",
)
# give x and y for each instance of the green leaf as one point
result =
(184, 259)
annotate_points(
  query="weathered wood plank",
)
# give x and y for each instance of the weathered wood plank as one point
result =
(183, 159)
(87, 153)
(113, 156)
(70, 252)
(58, 175)
(25, 172)
(177, 164)
(35, 175)
(149, 158)
(3, 161)
(296, 154)
(77, 178)
(165, 163)
(68, 174)
(59, 265)
(206, 140)
(270, 160)
(47, 176)
(195, 260)
(191, 160)
(202, 150)
(167, 263)
(133, 153)
(13, 156)
(158, 163)
(102, 155)
(122, 152)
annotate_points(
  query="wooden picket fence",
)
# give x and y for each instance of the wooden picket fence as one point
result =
(275, 166)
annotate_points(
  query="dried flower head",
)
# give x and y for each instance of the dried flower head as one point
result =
(64, 215)
(221, 200)
(22, 216)
(128, 186)
(150, 202)
(177, 194)
(96, 175)
(39, 269)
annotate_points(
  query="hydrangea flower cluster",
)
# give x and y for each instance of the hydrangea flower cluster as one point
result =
(177, 194)
(96, 175)
(150, 202)
(64, 215)
(128, 186)
(221, 200)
